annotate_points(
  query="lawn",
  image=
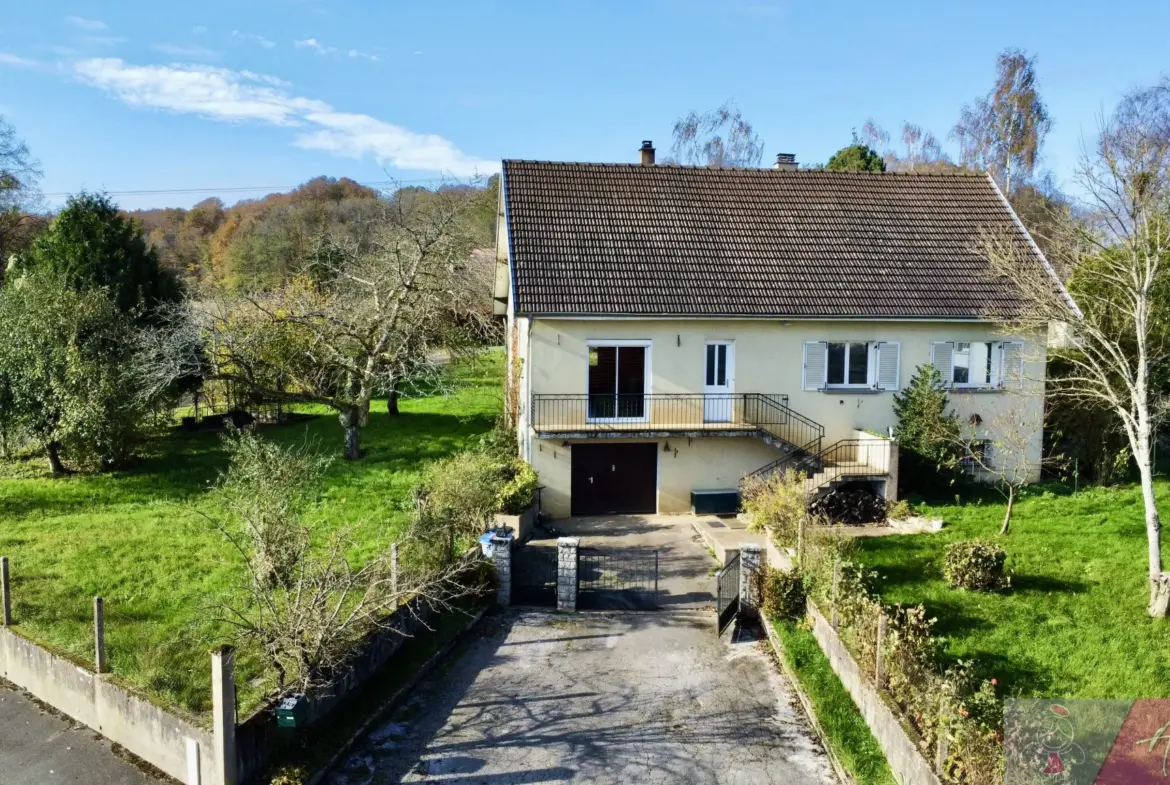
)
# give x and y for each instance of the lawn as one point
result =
(141, 538)
(1073, 623)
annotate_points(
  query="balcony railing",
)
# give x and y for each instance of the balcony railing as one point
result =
(765, 414)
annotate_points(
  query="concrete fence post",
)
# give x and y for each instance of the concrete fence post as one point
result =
(223, 698)
(879, 664)
(892, 471)
(394, 572)
(6, 591)
(751, 566)
(836, 584)
(567, 562)
(99, 635)
(501, 555)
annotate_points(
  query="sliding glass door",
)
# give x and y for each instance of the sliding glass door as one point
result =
(617, 382)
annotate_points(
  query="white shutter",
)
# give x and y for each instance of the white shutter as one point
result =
(942, 355)
(816, 365)
(889, 363)
(1012, 363)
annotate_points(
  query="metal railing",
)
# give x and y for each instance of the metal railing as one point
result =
(771, 414)
(840, 460)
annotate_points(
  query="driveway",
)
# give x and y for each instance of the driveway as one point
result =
(38, 747)
(644, 698)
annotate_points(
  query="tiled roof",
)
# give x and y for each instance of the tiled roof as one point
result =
(648, 240)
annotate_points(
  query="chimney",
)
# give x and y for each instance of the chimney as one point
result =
(786, 162)
(647, 152)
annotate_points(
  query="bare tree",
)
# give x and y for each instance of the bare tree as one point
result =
(1119, 260)
(304, 599)
(1003, 132)
(720, 137)
(381, 309)
(923, 151)
(19, 175)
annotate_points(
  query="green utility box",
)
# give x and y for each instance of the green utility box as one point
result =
(292, 711)
(719, 501)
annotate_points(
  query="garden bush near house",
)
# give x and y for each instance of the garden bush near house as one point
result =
(776, 504)
(927, 434)
(975, 565)
(898, 511)
(783, 594)
(519, 488)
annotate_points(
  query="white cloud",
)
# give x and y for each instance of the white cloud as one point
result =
(321, 49)
(87, 24)
(355, 54)
(17, 61)
(254, 38)
(193, 52)
(198, 30)
(240, 96)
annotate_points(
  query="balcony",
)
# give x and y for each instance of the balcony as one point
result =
(765, 416)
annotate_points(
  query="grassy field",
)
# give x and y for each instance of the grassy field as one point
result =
(1073, 623)
(140, 538)
(845, 728)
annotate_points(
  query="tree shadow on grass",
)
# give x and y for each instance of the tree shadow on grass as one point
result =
(1045, 584)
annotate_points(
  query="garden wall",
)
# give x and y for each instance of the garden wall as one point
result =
(178, 748)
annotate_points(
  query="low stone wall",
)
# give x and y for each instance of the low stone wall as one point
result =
(907, 763)
(175, 746)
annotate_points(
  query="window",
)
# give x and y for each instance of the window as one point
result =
(978, 456)
(617, 380)
(846, 365)
(978, 364)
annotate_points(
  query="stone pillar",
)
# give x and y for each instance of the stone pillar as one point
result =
(501, 556)
(751, 574)
(567, 574)
(99, 635)
(892, 472)
(223, 699)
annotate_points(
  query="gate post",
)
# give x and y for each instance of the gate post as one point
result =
(501, 556)
(750, 577)
(567, 573)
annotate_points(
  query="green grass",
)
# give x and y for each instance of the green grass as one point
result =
(845, 728)
(140, 538)
(1073, 623)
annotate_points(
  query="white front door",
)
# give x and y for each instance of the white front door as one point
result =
(719, 382)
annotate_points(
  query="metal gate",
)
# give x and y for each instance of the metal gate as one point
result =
(617, 579)
(727, 594)
(534, 575)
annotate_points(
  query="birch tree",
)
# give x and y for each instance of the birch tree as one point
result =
(720, 137)
(1119, 258)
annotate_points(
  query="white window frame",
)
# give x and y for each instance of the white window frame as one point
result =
(646, 377)
(996, 353)
(870, 366)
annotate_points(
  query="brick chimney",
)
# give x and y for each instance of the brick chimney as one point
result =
(647, 153)
(786, 162)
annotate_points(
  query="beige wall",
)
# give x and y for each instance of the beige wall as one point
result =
(768, 359)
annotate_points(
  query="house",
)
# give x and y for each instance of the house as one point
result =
(671, 330)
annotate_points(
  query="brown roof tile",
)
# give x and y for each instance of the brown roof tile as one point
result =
(649, 240)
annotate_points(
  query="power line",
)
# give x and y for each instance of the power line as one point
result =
(245, 188)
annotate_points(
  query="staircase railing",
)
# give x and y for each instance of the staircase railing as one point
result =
(772, 415)
(842, 459)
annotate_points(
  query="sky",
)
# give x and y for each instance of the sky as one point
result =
(237, 98)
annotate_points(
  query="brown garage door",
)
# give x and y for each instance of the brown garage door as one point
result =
(614, 479)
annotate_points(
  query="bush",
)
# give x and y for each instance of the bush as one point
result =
(518, 489)
(851, 504)
(927, 433)
(776, 504)
(975, 565)
(783, 595)
(898, 511)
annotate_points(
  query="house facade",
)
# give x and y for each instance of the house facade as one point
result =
(672, 330)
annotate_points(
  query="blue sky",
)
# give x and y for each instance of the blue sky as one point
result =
(134, 95)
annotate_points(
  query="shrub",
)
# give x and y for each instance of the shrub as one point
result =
(975, 565)
(783, 595)
(898, 511)
(927, 432)
(776, 504)
(462, 490)
(518, 489)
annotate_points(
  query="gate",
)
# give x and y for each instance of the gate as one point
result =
(617, 580)
(534, 575)
(727, 595)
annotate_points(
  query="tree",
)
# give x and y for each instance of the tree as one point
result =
(923, 151)
(90, 245)
(68, 372)
(857, 157)
(720, 137)
(305, 600)
(1113, 334)
(19, 174)
(1004, 131)
(927, 431)
(380, 308)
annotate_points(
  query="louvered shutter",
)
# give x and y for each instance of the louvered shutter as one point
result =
(889, 363)
(816, 364)
(942, 355)
(1012, 374)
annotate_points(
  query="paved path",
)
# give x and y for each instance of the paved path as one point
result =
(42, 748)
(642, 698)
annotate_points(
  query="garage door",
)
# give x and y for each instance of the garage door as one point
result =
(614, 479)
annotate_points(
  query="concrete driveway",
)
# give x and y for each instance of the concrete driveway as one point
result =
(39, 747)
(644, 698)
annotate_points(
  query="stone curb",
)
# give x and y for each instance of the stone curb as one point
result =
(394, 700)
(805, 702)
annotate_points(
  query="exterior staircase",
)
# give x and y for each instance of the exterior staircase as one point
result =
(847, 460)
